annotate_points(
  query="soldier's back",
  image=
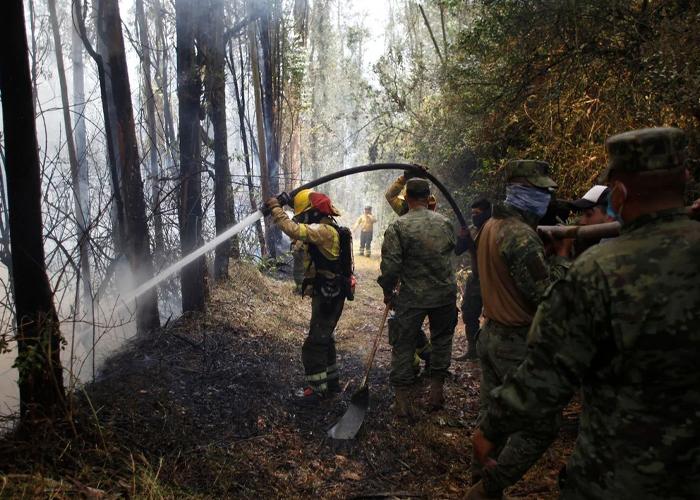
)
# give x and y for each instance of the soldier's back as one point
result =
(640, 428)
(427, 241)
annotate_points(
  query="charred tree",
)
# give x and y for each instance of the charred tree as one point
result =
(138, 240)
(189, 90)
(38, 335)
(215, 86)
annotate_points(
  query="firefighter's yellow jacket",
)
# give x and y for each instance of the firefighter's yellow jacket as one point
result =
(366, 221)
(392, 196)
(322, 235)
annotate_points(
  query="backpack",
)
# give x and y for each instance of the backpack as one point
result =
(343, 268)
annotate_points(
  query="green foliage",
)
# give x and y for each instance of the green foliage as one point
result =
(551, 80)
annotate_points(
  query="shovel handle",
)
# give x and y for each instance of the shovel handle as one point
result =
(374, 347)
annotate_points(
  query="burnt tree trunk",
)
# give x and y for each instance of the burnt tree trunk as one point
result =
(138, 240)
(193, 275)
(38, 335)
(269, 111)
(215, 87)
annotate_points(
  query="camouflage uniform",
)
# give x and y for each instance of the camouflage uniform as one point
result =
(622, 325)
(472, 304)
(417, 249)
(516, 248)
(318, 352)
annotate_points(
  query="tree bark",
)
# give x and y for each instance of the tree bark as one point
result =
(153, 171)
(139, 252)
(81, 152)
(78, 184)
(163, 81)
(38, 337)
(240, 102)
(215, 87)
(101, 58)
(274, 236)
(188, 91)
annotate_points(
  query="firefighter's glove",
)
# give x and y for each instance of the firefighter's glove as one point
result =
(269, 205)
(285, 199)
(419, 171)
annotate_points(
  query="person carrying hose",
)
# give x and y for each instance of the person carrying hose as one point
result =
(366, 222)
(316, 228)
(396, 195)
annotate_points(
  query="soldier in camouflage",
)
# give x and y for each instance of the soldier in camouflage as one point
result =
(514, 274)
(417, 250)
(623, 326)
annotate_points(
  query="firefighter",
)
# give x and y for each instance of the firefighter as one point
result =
(315, 227)
(366, 222)
(396, 194)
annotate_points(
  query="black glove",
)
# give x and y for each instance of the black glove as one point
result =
(284, 199)
(419, 172)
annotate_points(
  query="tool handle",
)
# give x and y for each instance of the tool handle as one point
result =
(374, 347)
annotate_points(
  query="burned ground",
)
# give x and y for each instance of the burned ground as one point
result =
(206, 408)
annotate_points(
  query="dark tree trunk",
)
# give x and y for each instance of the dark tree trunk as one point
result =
(271, 142)
(38, 335)
(240, 102)
(139, 251)
(215, 86)
(188, 91)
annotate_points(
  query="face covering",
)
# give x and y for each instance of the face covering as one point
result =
(527, 198)
(611, 212)
(480, 220)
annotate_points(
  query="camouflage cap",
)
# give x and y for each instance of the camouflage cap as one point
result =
(417, 186)
(644, 150)
(536, 172)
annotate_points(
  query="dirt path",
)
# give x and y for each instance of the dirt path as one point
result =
(209, 404)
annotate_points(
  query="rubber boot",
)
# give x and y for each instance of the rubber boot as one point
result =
(362, 252)
(401, 406)
(437, 395)
(334, 386)
(369, 253)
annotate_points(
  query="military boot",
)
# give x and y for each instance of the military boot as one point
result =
(401, 406)
(477, 492)
(437, 395)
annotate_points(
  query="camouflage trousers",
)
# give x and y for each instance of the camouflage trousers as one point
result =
(405, 334)
(501, 350)
(471, 308)
(318, 352)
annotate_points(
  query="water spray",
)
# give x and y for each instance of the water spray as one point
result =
(252, 218)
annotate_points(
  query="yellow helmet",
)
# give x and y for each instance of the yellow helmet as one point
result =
(302, 201)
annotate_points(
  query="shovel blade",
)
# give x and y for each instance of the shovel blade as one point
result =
(349, 424)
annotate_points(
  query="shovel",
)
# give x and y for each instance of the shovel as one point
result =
(349, 424)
